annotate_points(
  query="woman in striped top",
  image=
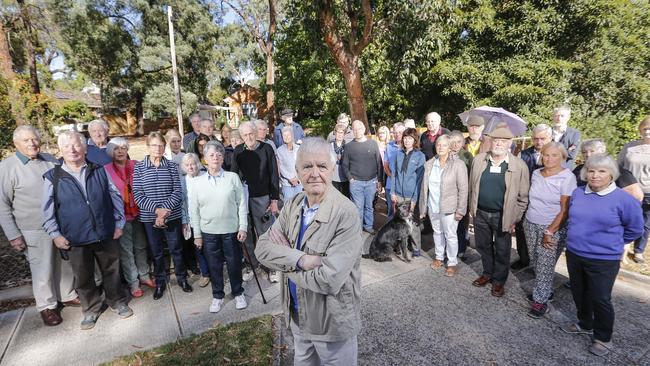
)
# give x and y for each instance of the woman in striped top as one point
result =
(157, 191)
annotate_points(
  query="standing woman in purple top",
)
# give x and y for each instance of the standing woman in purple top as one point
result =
(545, 224)
(602, 218)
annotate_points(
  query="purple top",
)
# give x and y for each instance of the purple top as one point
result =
(545, 193)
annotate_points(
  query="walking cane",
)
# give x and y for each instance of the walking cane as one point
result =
(248, 258)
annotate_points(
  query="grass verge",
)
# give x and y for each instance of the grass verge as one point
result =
(246, 343)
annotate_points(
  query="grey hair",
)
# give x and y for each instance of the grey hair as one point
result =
(398, 124)
(409, 122)
(26, 128)
(443, 138)
(214, 145)
(557, 145)
(357, 122)
(563, 108)
(543, 127)
(194, 115)
(342, 117)
(248, 124)
(261, 122)
(314, 145)
(600, 161)
(435, 115)
(98, 122)
(116, 142)
(190, 156)
(287, 128)
(456, 134)
(207, 120)
(67, 135)
(596, 144)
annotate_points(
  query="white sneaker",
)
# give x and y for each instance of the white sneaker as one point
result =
(240, 302)
(216, 305)
(247, 274)
(274, 277)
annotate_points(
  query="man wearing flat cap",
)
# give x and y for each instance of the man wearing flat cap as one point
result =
(287, 120)
(475, 125)
(498, 191)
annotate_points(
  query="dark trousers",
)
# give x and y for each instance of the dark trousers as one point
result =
(172, 235)
(461, 232)
(493, 244)
(192, 255)
(257, 223)
(343, 187)
(641, 243)
(82, 260)
(219, 248)
(592, 281)
(522, 247)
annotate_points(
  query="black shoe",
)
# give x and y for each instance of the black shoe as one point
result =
(159, 291)
(529, 297)
(518, 265)
(185, 286)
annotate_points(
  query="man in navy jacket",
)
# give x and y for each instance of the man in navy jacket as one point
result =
(83, 213)
(567, 136)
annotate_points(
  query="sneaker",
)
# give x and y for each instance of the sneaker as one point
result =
(216, 305)
(274, 277)
(638, 258)
(416, 253)
(123, 311)
(538, 310)
(574, 328)
(89, 321)
(240, 302)
(600, 348)
(551, 298)
(204, 281)
(247, 274)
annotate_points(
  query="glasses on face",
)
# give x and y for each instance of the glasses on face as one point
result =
(157, 146)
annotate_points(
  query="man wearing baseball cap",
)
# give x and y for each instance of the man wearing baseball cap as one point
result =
(287, 120)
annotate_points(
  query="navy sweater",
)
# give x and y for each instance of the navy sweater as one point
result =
(599, 226)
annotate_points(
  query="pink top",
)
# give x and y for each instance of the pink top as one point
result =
(120, 177)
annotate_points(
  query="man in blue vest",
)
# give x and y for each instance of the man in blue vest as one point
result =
(83, 213)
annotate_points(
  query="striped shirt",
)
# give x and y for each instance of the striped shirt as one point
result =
(157, 187)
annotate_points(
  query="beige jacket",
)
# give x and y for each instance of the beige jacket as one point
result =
(453, 190)
(517, 186)
(329, 297)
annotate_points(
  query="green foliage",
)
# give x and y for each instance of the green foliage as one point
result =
(160, 101)
(72, 110)
(7, 122)
(526, 56)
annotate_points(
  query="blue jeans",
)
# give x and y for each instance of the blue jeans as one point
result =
(172, 234)
(642, 242)
(363, 193)
(217, 249)
(288, 192)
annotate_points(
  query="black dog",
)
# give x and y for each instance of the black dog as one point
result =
(394, 236)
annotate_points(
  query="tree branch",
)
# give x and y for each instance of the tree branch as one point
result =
(366, 38)
(354, 24)
(252, 28)
(331, 34)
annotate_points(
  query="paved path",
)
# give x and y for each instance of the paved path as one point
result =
(412, 315)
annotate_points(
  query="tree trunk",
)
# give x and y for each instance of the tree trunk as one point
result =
(30, 48)
(139, 114)
(270, 93)
(354, 89)
(7, 73)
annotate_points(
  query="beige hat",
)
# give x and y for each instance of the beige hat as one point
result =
(475, 121)
(501, 131)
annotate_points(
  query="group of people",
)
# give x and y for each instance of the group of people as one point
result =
(103, 219)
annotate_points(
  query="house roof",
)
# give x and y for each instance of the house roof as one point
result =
(91, 99)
